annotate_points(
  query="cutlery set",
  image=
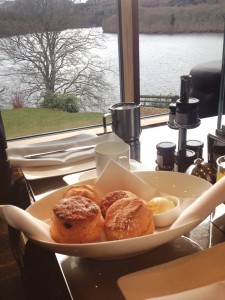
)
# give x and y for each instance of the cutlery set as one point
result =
(75, 149)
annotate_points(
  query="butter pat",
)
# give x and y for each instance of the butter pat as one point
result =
(161, 205)
(165, 210)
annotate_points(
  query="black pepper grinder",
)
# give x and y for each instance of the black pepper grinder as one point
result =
(186, 118)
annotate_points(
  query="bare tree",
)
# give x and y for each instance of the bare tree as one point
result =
(52, 58)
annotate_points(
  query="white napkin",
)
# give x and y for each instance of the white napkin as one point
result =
(215, 291)
(203, 205)
(116, 177)
(16, 154)
(23, 221)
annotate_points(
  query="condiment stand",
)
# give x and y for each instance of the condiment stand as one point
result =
(183, 116)
(186, 118)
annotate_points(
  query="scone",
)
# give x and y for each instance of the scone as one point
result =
(127, 218)
(112, 197)
(85, 190)
(76, 220)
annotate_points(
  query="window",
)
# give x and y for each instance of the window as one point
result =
(74, 57)
(55, 55)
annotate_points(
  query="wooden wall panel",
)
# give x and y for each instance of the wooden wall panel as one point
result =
(128, 36)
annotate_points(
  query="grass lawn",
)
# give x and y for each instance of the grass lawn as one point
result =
(28, 121)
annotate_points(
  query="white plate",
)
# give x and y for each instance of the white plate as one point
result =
(177, 184)
(87, 163)
(53, 171)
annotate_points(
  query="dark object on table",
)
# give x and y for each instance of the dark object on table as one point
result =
(205, 86)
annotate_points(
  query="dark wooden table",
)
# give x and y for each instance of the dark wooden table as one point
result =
(54, 276)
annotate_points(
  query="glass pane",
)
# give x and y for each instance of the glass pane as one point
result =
(57, 70)
(169, 50)
(164, 58)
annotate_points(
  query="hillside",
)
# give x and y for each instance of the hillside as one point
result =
(155, 16)
(174, 16)
(201, 17)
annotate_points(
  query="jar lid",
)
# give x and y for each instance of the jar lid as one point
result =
(166, 146)
(194, 144)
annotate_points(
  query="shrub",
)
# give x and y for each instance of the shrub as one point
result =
(63, 102)
(17, 100)
(49, 100)
(68, 103)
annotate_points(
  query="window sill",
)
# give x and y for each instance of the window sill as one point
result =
(145, 123)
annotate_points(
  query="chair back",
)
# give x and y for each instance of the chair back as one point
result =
(5, 172)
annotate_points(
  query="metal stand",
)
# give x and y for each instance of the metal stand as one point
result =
(186, 117)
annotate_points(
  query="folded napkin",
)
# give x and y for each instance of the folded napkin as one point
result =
(116, 177)
(204, 205)
(16, 154)
(23, 221)
(215, 291)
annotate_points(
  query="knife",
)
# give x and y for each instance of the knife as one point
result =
(75, 149)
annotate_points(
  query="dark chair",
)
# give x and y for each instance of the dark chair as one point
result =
(205, 80)
(13, 192)
(40, 271)
(5, 174)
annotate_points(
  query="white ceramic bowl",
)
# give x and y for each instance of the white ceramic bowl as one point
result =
(180, 185)
(167, 218)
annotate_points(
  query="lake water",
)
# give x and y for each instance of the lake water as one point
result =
(163, 59)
